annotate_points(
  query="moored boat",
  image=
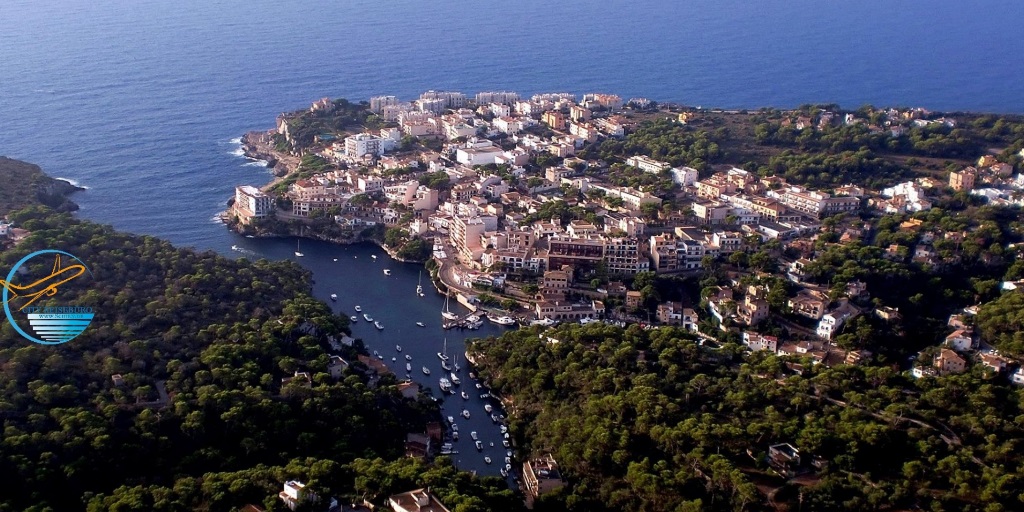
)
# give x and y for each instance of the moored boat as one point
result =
(334, 297)
(426, 371)
(367, 317)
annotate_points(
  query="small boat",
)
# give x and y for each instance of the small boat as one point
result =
(374, 256)
(487, 460)
(485, 395)
(508, 467)
(503, 472)
(358, 308)
(504, 429)
(455, 379)
(408, 357)
(380, 356)
(298, 252)
(420, 324)
(398, 348)
(479, 446)
(504, 442)
(456, 363)
(442, 356)
(444, 384)
(408, 367)
(506, 435)
(426, 371)
(376, 354)
(335, 259)
(419, 285)
(451, 420)
(465, 413)
(455, 428)
(488, 408)
(473, 435)
(445, 366)
(387, 272)
(367, 317)
(492, 444)
(249, 236)
(455, 435)
(502, 320)
(378, 326)
(508, 453)
(393, 359)
(334, 297)
(465, 396)
(494, 418)
(472, 375)
(508, 460)
(479, 386)
(354, 318)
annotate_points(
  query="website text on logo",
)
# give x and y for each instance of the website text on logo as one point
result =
(51, 325)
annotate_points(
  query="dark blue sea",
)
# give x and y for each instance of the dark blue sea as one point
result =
(143, 101)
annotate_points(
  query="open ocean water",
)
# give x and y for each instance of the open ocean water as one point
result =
(143, 101)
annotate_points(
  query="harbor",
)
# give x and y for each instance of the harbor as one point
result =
(354, 275)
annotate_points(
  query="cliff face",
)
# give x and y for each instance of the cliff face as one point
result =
(23, 184)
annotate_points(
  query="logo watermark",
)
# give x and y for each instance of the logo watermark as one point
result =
(46, 324)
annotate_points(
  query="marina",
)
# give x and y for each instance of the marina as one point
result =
(362, 290)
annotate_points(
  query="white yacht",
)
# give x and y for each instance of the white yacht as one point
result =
(503, 472)
(298, 252)
(387, 272)
(426, 371)
(408, 367)
(465, 396)
(465, 413)
(408, 357)
(378, 326)
(444, 384)
(419, 285)
(374, 256)
(488, 408)
(473, 435)
(358, 308)
(455, 379)
(334, 297)
(367, 317)
(503, 320)
(354, 318)
(479, 446)
(487, 460)
(420, 324)
(398, 348)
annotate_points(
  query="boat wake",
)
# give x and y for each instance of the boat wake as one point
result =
(243, 250)
(74, 182)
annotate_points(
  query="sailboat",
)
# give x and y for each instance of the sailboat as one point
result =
(443, 355)
(447, 313)
(419, 285)
(298, 252)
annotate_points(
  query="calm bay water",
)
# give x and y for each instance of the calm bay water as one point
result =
(142, 101)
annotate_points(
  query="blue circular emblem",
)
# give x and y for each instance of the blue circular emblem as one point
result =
(49, 325)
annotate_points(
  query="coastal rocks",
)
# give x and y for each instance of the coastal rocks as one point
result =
(26, 184)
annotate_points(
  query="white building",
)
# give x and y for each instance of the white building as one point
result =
(504, 97)
(294, 493)
(377, 103)
(685, 176)
(647, 164)
(362, 144)
(476, 152)
(252, 203)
